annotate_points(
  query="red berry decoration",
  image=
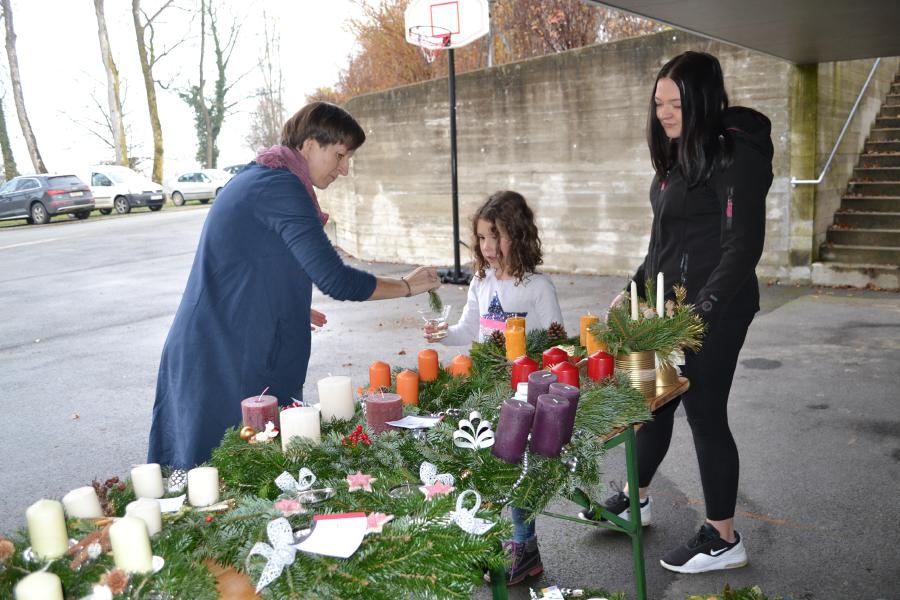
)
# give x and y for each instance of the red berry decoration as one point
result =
(209, 518)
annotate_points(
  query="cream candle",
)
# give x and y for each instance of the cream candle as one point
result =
(660, 295)
(148, 511)
(47, 529)
(130, 543)
(82, 503)
(40, 585)
(634, 301)
(336, 398)
(301, 421)
(203, 486)
(147, 481)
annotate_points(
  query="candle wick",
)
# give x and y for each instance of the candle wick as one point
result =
(263, 394)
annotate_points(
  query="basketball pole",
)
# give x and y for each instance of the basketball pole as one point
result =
(456, 276)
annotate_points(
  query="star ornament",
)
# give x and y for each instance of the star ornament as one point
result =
(360, 481)
(375, 521)
(437, 488)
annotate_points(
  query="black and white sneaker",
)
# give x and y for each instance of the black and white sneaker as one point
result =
(619, 505)
(706, 551)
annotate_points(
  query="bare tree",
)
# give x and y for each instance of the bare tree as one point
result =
(144, 34)
(9, 161)
(268, 117)
(117, 125)
(209, 114)
(18, 97)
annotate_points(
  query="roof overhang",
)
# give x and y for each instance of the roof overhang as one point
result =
(799, 31)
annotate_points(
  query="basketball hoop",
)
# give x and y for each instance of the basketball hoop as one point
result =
(430, 39)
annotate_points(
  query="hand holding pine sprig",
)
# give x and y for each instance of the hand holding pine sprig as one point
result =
(682, 329)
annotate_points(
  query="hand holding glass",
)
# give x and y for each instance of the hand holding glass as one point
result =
(435, 323)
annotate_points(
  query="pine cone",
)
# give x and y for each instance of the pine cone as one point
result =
(556, 331)
(498, 339)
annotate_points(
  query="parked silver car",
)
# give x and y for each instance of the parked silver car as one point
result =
(202, 185)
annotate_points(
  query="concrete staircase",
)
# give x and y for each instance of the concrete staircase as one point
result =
(862, 247)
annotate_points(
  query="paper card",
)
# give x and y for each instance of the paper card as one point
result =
(414, 422)
(337, 535)
(171, 505)
(551, 593)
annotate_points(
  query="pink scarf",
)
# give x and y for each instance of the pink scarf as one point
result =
(279, 156)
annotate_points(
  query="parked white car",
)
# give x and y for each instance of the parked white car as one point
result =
(202, 184)
(120, 188)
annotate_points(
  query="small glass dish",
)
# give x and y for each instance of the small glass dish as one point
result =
(436, 319)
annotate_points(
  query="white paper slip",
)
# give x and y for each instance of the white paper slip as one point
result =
(337, 535)
(414, 422)
(171, 505)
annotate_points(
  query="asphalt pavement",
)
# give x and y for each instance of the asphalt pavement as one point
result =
(86, 307)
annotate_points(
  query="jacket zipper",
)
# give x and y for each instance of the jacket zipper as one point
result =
(729, 208)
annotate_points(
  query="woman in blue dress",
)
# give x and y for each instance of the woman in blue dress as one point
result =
(245, 318)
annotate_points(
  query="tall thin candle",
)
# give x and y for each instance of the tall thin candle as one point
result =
(660, 294)
(634, 301)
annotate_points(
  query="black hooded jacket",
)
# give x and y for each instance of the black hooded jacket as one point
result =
(709, 237)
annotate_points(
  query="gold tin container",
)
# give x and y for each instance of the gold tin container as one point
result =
(666, 375)
(641, 369)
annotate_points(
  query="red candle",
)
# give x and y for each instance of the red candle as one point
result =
(600, 365)
(566, 372)
(382, 407)
(408, 387)
(521, 369)
(259, 410)
(553, 356)
(461, 366)
(428, 365)
(379, 375)
(515, 421)
(550, 423)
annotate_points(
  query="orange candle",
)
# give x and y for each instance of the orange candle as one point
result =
(408, 387)
(461, 366)
(515, 342)
(379, 375)
(428, 365)
(585, 321)
(515, 322)
(593, 344)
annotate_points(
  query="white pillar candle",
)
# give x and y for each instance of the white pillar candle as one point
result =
(82, 503)
(203, 486)
(130, 543)
(336, 398)
(660, 295)
(302, 421)
(47, 529)
(148, 511)
(634, 301)
(147, 481)
(40, 585)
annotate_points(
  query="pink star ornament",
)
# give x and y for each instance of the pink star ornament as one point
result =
(438, 488)
(375, 522)
(360, 481)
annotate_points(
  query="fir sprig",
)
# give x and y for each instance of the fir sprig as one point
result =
(434, 301)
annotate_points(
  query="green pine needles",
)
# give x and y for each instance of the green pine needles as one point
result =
(680, 328)
(434, 301)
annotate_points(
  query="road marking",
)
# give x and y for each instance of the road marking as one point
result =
(29, 243)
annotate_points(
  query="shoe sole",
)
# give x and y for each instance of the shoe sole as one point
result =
(645, 516)
(531, 573)
(708, 563)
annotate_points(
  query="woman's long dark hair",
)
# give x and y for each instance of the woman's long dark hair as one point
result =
(698, 150)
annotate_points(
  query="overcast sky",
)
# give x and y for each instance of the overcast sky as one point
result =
(62, 74)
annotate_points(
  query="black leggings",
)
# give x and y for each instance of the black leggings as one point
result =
(706, 404)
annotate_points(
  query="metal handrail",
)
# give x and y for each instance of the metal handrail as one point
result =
(794, 181)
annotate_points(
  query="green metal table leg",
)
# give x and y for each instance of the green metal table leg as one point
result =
(498, 585)
(637, 547)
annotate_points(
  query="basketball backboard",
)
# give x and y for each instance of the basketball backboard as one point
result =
(464, 20)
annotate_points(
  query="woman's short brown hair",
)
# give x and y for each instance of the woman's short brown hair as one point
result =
(511, 210)
(324, 122)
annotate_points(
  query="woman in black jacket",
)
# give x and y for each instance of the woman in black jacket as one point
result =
(713, 169)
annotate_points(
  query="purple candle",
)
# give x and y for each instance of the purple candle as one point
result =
(550, 420)
(539, 383)
(382, 407)
(512, 430)
(572, 394)
(258, 410)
